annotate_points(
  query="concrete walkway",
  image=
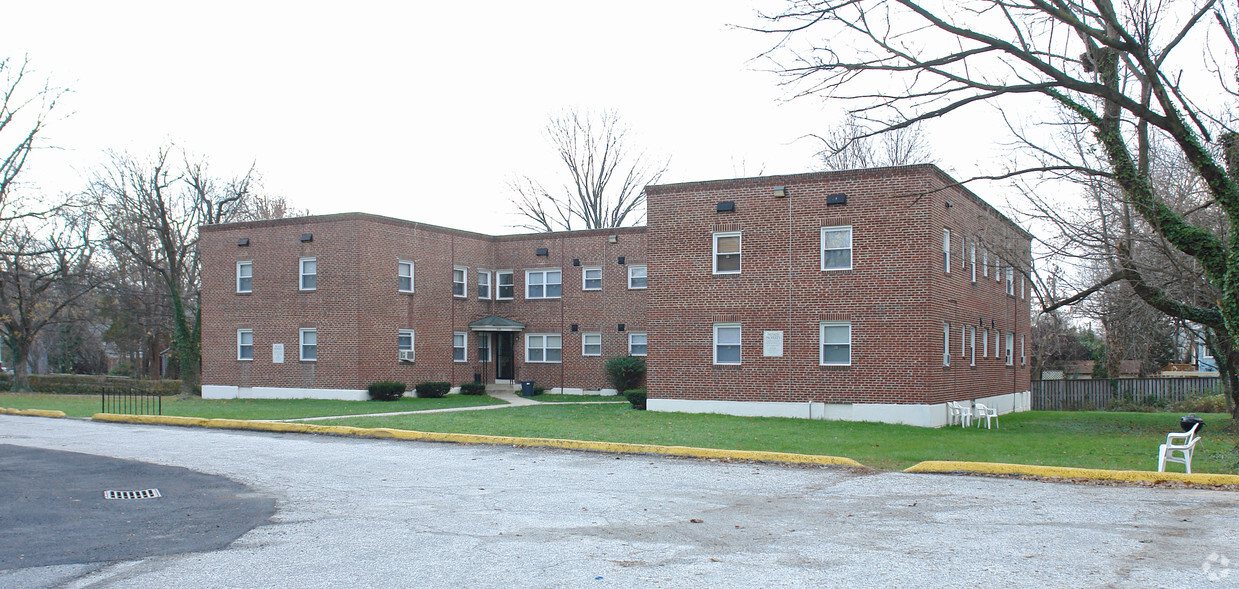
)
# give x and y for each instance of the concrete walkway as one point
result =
(512, 399)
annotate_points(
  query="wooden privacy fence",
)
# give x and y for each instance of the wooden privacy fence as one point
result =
(1098, 394)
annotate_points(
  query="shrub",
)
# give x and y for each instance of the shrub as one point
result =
(386, 390)
(636, 397)
(538, 391)
(473, 388)
(626, 372)
(1204, 404)
(88, 384)
(432, 389)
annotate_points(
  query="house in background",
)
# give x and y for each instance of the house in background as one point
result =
(868, 295)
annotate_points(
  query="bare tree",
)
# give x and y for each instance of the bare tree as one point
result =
(151, 211)
(853, 146)
(606, 177)
(1115, 71)
(25, 109)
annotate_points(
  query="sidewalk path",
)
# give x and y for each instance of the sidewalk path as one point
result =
(512, 399)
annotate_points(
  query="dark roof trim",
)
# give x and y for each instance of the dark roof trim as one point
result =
(372, 218)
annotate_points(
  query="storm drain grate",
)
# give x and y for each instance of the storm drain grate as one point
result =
(143, 494)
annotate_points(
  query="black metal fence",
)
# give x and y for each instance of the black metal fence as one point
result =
(1055, 395)
(132, 402)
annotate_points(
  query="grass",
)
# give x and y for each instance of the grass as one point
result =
(87, 405)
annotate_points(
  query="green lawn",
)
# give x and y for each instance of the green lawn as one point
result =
(1083, 439)
(87, 405)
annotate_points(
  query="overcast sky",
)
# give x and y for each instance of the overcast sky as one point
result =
(422, 111)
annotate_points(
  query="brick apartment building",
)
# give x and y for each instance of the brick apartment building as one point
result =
(873, 295)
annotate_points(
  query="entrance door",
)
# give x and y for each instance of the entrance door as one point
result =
(504, 357)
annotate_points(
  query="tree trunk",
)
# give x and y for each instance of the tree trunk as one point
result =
(21, 370)
(186, 348)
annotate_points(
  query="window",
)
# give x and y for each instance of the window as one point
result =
(726, 343)
(245, 276)
(1010, 349)
(245, 344)
(997, 266)
(483, 347)
(309, 345)
(309, 273)
(973, 255)
(985, 263)
(636, 277)
(985, 343)
(543, 284)
(1010, 281)
(946, 344)
(837, 248)
(946, 250)
(483, 284)
(636, 343)
(996, 334)
(727, 252)
(836, 339)
(972, 346)
(1021, 285)
(543, 347)
(591, 278)
(591, 344)
(459, 340)
(404, 343)
(460, 282)
(963, 342)
(503, 281)
(1023, 358)
(404, 276)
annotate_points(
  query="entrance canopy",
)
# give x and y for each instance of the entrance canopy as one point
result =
(496, 323)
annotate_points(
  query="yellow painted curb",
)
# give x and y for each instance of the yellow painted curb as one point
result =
(481, 439)
(33, 412)
(1073, 473)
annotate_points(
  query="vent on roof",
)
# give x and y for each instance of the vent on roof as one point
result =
(143, 494)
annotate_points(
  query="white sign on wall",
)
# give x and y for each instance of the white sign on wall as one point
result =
(772, 343)
(277, 353)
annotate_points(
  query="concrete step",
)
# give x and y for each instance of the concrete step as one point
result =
(502, 388)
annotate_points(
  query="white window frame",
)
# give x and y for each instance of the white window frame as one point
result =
(963, 342)
(400, 266)
(946, 252)
(644, 270)
(1010, 351)
(946, 344)
(460, 288)
(984, 263)
(301, 345)
(997, 335)
(1010, 281)
(972, 346)
(412, 342)
(484, 340)
(484, 281)
(635, 334)
(739, 345)
(585, 337)
(545, 284)
(241, 345)
(997, 268)
(1023, 358)
(984, 342)
(463, 347)
(973, 251)
(303, 274)
(821, 342)
(543, 339)
(499, 274)
(1021, 286)
(249, 265)
(739, 251)
(585, 270)
(850, 248)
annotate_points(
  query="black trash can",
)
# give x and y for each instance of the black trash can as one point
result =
(1188, 421)
(526, 388)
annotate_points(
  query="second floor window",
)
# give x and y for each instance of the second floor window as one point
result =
(591, 278)
(946, 250)
(483, 284)
(309, 273)
(503, 284)
(404, 276)
(245, 276)
(837, 248)
(460, 278)
(727, 252)
(543, 284)
(636, 277)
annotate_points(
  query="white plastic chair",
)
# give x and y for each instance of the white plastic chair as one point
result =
(956, 413)
(1184, 443)
(986, 413)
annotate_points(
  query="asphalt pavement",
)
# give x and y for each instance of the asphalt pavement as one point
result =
(370, 512)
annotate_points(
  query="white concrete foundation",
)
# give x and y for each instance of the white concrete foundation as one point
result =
(923, 415)
(572, 391)
(230, 392)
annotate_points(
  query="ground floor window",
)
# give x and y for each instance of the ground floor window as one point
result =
(591, 344)
(309, 344)
(726, 343)
(404, 344)
(483, 347)
(636, 343)
(836, 338)
(245, 344)
(459, 341)
(543, 347)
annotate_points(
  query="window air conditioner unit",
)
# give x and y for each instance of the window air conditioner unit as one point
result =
(406, 355)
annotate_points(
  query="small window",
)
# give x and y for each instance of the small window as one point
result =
(483, 347)
(543, 284)
(1010, 349)
(997, 270)
(972, 253)
(836, 337)
(459, 340)
(972, 346)
(985, 263)
(460, 282)
(309, 345)
(636, 343)
(963, 342)
(404, 344)
(1010, 281)
(727, 252)
(1023, 358)
(946, 250)
(1021, 285)
(543, 347)
(996, 335)
(404, 276)
(309, 273)
(726, 343)
(985, 343)
(591, 278)
(245, 344)
(483, 284)
(837, 248)
(636, 277)
(946, 344)
(503, 284)
(591, 344)
(245, 276)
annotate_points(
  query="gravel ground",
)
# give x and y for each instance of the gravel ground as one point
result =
(364, 512)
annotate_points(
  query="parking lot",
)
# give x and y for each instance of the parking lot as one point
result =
(365, 512)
